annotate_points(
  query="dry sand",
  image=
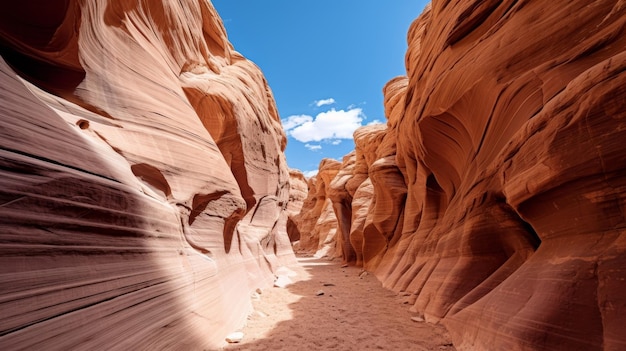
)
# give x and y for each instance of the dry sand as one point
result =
(354, 313)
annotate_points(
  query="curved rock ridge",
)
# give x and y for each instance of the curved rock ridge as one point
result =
(144, 190)
(316, 224)
(496, 197)
(299, 189)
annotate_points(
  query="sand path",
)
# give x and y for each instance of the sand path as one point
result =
(354, 313)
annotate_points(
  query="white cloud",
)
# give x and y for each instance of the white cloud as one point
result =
(313, 147)
(294, 121)
(336, 142)
(310, 174)
(323, 102)
(376, 121)
(330, 125)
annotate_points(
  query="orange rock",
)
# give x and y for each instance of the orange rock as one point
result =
(316, 222)
(298, 192)
(367, 139)
(144, 189)
(341, 195)
(498, 193)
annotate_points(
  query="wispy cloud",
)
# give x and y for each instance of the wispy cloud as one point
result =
(310, 174)
(294, 121)
(329, 125)
(323, 102)
(376, 121)
(313, 147)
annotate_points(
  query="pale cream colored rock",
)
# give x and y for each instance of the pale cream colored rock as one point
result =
(143, 178)
(234, 338)
(282, 281)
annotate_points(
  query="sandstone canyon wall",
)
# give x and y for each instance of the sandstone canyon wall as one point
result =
(298, 192)
(143, 184)
(496, 194)
(314, 228)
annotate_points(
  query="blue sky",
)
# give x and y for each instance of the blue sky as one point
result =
(326, 62)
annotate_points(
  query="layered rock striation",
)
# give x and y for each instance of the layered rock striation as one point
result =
(315, 226)
(143, 187)
(298, 192)
(495, 196)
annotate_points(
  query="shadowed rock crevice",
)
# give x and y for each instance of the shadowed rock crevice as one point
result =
(153, 177)
(41, 45)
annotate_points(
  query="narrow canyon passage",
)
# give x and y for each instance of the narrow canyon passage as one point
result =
(354, 313)
(147, 201)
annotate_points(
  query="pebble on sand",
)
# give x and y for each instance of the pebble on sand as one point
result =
(282, 281)
(234, 338)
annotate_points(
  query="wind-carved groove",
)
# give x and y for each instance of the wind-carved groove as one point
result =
(153, 177)
(200, 203)
(471, 19)
(57, 163)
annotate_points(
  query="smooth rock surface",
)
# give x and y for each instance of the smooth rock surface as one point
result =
(142, 177)
(298, 191)
(496, 195)
(234, 338)
(317, 218)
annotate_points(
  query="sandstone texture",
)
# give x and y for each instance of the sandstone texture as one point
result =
(298, 191)
(143, 185)
(316, 224)
(495, 197)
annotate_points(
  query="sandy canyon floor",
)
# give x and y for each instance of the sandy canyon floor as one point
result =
(330, 307)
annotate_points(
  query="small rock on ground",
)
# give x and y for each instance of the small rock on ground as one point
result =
(234, 338)
(282, 281)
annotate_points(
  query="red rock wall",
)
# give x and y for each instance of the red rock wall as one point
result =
(142, 177)
(498, 196)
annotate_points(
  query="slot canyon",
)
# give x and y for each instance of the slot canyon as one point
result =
(145, 194)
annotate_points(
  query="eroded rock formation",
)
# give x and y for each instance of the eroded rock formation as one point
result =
(298, 192)
(316, 224)
(496, 197)
(142, 177)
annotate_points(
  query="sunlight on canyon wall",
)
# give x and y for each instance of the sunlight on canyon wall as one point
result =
(495, 195)
(142, 178)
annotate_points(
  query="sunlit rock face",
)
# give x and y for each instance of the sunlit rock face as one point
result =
(298, 191)
(341, 192)
(502, 174)
(143, 183)
(316, 224)
(351, 192)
